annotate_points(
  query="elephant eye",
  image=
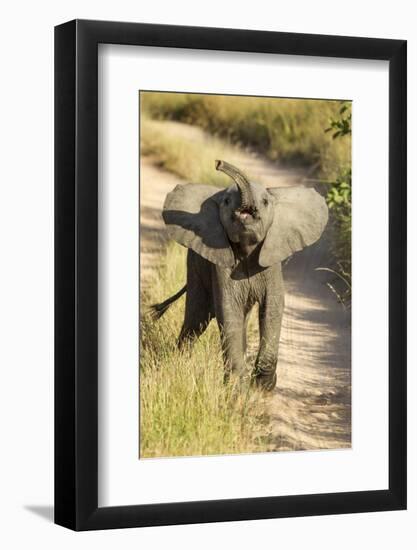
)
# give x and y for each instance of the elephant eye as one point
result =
(265, 201)
(226, 201)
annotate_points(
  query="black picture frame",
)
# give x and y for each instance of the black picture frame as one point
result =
(76, 272)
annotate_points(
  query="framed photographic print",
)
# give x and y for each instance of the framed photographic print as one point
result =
(230, 337)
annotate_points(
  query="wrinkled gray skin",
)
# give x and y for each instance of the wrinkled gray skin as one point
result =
(237, 238)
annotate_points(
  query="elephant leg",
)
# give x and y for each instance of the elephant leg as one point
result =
(270, 318)
(229, 303)
(196, 320)
(198, 302)
(244, 334)
(232, 340)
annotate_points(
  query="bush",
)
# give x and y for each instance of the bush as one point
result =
(339, 201)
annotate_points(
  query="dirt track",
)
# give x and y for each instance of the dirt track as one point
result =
(311, 405)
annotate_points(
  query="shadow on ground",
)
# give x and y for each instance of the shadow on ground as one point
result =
(44, 512)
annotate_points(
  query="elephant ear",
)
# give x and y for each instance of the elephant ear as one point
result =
(300, 217)
(191, 213)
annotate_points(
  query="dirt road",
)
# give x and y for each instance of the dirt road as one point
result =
(154, 186)
(311, 405)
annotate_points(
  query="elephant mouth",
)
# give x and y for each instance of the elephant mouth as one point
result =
(246, 215)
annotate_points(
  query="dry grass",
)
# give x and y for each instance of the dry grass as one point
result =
(184, 156)
(282, 129)
(185, 407)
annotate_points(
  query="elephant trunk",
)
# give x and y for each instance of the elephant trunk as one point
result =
(241, 181)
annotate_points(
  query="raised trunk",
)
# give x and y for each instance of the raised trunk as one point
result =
(241, 181)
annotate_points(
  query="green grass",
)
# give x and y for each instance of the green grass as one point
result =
(185, 407)
(287, 130)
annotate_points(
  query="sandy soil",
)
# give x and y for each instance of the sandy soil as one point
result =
(311, 405)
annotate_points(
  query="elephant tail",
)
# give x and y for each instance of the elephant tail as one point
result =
(157, 310)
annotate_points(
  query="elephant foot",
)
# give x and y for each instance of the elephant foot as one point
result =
(266, 382)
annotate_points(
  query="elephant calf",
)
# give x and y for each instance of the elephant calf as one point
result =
(237, 238)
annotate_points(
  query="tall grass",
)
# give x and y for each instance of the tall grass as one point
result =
(189, 153)
(183, 156)
(282, 129)
(185, 407)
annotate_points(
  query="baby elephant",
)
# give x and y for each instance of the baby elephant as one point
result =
(237, 238)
